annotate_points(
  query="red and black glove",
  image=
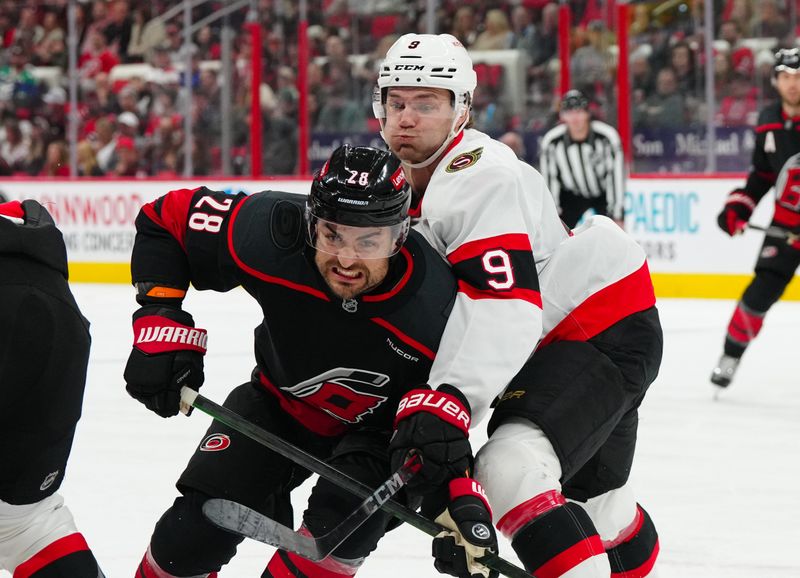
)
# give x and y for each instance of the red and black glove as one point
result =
(167, 354)
(436, 424)
(736, 212)
(471, 535)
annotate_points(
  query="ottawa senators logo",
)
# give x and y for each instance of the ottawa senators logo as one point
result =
(464, 160)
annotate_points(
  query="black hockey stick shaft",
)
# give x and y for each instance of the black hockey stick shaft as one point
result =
(254, 525)
(773, 231)
(189, 397)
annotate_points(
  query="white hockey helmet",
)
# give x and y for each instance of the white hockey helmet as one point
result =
(428, 61)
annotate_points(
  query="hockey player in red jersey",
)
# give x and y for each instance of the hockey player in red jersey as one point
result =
(353, 315)
(560, 325)
(44, 352)
(776, 163)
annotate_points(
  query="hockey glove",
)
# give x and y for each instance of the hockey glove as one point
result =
(469, 517)
(436, 424)
(736, 212)
(167, 354)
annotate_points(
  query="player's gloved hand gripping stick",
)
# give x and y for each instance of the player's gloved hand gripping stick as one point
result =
(190, 398)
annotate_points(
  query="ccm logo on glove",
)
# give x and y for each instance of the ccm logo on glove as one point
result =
(446, 407)
(157, 334)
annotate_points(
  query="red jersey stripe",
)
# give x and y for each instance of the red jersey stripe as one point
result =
(12, 209)
(263, 276)
(600, 311)
(174, 213)
(510, 242)
(404, 338)
(570, 558)
(769, 126)
(397, 288)
(50, 553)
(529, 295)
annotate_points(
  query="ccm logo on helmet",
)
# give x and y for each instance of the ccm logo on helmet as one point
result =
(409, 67)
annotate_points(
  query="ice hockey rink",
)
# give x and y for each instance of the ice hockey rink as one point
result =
(718, 477)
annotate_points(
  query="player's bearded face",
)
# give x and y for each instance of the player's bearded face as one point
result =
(340, 264)
(788, 86)
(417, 121)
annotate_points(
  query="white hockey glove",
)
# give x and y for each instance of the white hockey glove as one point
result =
(469, 518)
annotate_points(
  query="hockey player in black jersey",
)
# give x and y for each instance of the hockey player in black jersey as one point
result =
(44, 352)
(776, 163)
(354, 308)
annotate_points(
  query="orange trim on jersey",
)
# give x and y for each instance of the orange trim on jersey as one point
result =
(404, 338)
(603, 309)
(400, 284)
(174, 213)
(167, 292)
(528, 295)
(570, 558)
(510, 242)
(50, 553)
(310, 417)
(258, 274)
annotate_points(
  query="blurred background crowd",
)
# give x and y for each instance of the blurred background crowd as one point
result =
(131, 58)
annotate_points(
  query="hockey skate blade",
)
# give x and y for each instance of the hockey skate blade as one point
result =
(246, 522)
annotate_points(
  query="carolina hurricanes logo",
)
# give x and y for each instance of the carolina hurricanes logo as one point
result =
(215, 443)
(464, 160)
(341, 393)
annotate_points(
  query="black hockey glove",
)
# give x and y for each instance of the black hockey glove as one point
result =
(167, 354)
(469, 517)
(436, 424)
(736, 212)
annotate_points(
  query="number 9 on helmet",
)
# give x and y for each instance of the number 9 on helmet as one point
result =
(359, 202)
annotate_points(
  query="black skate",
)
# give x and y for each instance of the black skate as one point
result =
(723, 373)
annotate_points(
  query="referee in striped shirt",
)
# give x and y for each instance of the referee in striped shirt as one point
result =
(581, 161)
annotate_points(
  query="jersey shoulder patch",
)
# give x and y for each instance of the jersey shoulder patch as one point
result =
(464, 160)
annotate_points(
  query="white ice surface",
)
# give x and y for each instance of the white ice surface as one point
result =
(718, 477)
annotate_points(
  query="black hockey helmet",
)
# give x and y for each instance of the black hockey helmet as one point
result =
(574, 100)
(360, 187)
(786, 60)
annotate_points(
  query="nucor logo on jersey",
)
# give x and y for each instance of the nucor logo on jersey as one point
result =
(434, 400)
(409, 67)
(184, 335)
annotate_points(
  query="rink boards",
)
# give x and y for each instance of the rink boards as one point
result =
(674, 219)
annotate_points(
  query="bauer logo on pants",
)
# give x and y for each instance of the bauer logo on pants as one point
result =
(215, 443)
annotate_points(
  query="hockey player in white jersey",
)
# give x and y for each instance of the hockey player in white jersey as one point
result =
(558, 327)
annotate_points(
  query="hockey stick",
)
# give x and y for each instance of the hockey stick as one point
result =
(778, 232)
(246, 522)
(190, 398)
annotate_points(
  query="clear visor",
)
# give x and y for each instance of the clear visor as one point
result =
(421, 104)
(357, 242)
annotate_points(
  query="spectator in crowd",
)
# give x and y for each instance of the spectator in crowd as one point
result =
(731, 32)
(524, 37)
(769, 20)
(14, 146)
(514, 141)
(546, 44)
(465, 25)
(497, 33)
(338, 112)
(665, 108)
(590, 64)
(642, 77)
(51, 49)
(96, 22)
(740, 106)
(56, 162)
(147, 33)
(16, 76)
(105, 142)
(87, 160)
(126, 158)
(28, 32)
(682, 62)
(118, 28)
(97, 58)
